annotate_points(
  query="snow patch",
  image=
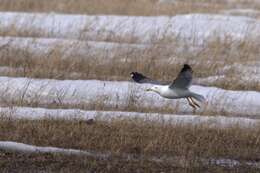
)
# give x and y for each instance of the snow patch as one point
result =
(242, 12)
(194, 28)
(43, 47)
(25, 148)
(119, 95)
(77, 114)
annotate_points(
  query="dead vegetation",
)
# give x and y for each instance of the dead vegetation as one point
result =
(18, 162)
(126, 7)
(138, 137)
(216, 58)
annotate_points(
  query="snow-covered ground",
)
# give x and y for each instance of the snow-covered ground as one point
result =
(250, 74)
(204, 81)
(194, 28)
(111, 36)
(42, 47)
(105, 52)
(77, 114)
(242, 12)
(121, 95)
(24, 148)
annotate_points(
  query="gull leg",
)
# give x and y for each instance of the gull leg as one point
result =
(191, 104)
(194, 103)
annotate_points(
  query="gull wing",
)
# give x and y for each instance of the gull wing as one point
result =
(184, 78)
(140, 78)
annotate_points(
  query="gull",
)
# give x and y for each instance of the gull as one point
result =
(177, 89)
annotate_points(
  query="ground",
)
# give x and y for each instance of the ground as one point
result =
(65, 83)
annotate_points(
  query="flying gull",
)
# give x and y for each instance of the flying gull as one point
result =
(177, 89)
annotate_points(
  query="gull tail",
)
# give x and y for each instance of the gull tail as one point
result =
(198, 97)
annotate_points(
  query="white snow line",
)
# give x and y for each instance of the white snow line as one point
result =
(31, 149)
(230, 163)
(119, 95)
(25, 148)
(190, 27)
(39, 47)
(250, 12)
(219, 122)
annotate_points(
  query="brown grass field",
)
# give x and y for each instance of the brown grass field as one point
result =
(15, 162)
(210, 61)
(137, 138)
(125, 7)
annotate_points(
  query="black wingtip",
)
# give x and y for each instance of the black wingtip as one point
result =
(186, 67)
(137, 77)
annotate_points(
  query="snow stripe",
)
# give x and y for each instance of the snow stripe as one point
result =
(77, 114)
(38, 47)
(191, 27)
(25, 148)
(121, 95)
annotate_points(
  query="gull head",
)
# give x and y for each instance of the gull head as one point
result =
(154, 89)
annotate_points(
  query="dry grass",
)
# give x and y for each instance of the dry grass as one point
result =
(136, 137)
(126, 7)
(162, 54)
(15, 162)
(11, 162)
(210, 61)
